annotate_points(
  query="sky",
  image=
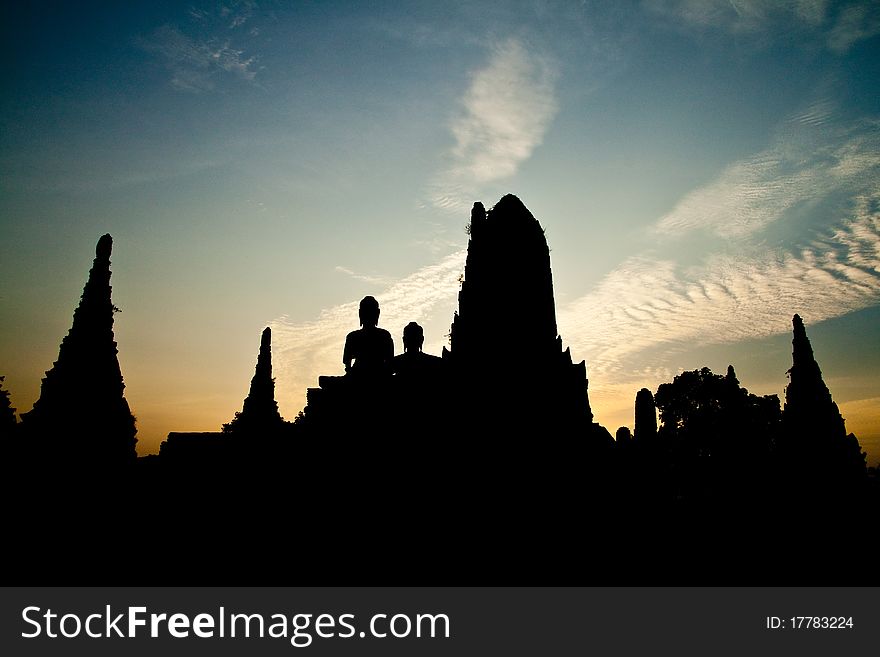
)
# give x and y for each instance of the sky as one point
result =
(703, 169)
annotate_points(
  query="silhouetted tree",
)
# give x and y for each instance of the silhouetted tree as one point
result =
(82, 417)
(720, 434)
(8, 422)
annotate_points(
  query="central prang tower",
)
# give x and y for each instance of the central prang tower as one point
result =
(504, 342)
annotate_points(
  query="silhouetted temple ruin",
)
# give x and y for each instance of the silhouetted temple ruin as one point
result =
(484, 460)
(82, 416)
(505, 371)
(504, 343)
(260, 410)
(815, 444)
(257, 421)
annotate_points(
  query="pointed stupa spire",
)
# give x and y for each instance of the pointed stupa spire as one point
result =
(82, 395)
(260, 410)
(815, 435)
(806, 394)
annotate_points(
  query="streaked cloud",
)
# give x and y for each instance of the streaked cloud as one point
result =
(809, 161)
(646, 303)
(817, 185)
(503, 117)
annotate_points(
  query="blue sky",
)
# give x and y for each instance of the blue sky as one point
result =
(704, 170)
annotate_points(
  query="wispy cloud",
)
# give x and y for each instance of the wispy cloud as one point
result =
(648, 303)
(303, 351)
(504, 115)
(195, 64)
(817, 185)
(808, 162)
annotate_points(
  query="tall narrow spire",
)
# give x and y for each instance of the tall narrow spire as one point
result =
(808, 403)
(260, 410)
(82, 414)
(815, 438)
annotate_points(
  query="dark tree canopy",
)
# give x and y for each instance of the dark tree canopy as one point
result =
(711, 410)
(7, 413)
(720, 435)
